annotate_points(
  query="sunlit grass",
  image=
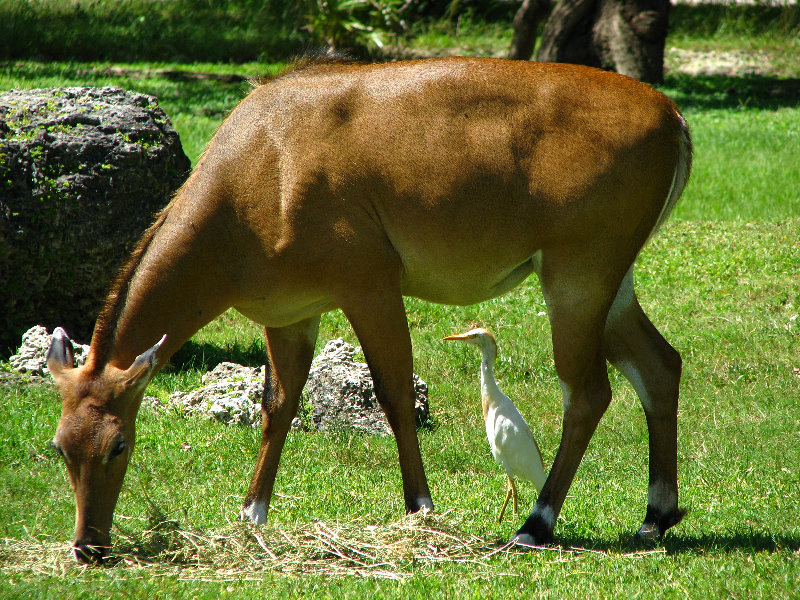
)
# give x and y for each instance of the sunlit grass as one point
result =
(725, 295)
(761, 148)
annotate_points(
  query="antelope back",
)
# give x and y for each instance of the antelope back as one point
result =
(466, 167)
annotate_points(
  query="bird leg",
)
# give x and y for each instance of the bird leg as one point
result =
(514, 491)
(511, 491)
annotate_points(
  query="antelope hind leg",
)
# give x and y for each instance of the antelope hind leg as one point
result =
(577, 313)
(653, 367)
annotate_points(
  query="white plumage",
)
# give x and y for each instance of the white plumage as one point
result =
(510, 439)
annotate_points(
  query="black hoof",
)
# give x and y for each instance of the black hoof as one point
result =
(90, 555)
(418, 504)
(534, 533)
(656, 523)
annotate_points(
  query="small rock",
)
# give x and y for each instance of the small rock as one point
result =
(341, 393)
(153, 403)
(32, 354)
(232, 395)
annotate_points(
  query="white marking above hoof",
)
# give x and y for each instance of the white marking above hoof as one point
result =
(425, 504)
(255, 512)
(545, 513)
(649, 531)
(662, 497)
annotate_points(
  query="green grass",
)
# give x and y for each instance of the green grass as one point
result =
(721, 283)
(734, 21)
(246, 30)
(724, 293)
(178, 30)
(745, 164)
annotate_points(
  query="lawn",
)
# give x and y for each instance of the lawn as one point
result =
(720, 281)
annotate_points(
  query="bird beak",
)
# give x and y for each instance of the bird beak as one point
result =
(458, 337)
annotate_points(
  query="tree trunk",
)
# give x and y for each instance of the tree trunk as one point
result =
(567, 35)
(626, 36)
(526, 25)
(629, 37)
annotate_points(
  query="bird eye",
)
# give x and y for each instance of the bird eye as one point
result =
(118, 449)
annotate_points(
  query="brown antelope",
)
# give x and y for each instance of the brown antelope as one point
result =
(351, 185)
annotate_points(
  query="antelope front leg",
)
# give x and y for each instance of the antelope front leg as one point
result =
(289, 354)
(380, 323)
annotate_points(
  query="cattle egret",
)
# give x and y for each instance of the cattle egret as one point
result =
(510, 439)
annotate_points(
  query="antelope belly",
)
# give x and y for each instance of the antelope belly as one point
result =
(447, 285)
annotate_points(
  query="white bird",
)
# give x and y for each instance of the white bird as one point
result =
(510, 439)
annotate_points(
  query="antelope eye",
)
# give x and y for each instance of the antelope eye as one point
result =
(118, 449)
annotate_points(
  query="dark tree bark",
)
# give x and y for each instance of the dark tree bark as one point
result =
(567, 34)
(526, 27)
(626, 36)
(629, 37)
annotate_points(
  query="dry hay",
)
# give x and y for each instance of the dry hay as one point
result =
(416, 543)
(389, 551)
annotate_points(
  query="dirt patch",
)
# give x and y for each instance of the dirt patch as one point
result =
(710, 62)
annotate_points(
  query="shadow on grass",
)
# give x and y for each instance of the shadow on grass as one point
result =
(210, 95)
(733, 542)
(205, 356)
(675, 543)
(215, 94)
(148, 30)
(704, 92)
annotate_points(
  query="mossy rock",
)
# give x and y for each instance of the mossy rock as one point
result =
(82, 173)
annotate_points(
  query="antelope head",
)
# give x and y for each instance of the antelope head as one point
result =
(95, 436)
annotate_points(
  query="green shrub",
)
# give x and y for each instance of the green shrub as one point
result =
(355, 24)
(709, 20)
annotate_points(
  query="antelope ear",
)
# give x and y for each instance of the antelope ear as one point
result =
(60, 356)
(139, 372)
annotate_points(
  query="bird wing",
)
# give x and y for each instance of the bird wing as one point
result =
(513, 445)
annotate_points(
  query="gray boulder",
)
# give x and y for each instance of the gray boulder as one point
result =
(231, 394)
(82, 172)
(340, 393)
